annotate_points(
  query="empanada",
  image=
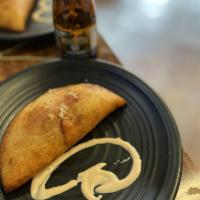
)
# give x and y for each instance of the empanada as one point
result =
(14, 14)
(50, 125)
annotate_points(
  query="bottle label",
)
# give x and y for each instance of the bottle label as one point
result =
(77, 42)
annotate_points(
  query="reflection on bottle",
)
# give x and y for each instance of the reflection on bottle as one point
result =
(75, 28)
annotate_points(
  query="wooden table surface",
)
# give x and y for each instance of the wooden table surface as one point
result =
(39, 53)
(33, 52)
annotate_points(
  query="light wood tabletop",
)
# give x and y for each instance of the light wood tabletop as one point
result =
(158, 40)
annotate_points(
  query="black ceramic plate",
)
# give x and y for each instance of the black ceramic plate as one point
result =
(145, 122)
(33, 29)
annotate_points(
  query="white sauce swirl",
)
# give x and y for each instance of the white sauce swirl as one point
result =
(44, 7)
(94, 179)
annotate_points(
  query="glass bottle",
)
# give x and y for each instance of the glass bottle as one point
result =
(75, 28)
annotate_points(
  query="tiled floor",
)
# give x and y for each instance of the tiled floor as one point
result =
(159, 41)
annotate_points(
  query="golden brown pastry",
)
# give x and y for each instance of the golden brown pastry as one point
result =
(14, 14)
(50, 125)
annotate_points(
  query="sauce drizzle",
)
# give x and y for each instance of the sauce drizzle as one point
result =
(42, 13)
(94, 179)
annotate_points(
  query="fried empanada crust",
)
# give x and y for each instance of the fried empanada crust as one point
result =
(50, 125)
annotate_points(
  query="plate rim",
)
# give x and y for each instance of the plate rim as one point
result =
(179, 151)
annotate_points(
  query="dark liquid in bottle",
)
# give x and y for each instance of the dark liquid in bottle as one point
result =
(76, 32)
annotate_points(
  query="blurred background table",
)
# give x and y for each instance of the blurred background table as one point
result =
(158, 40)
